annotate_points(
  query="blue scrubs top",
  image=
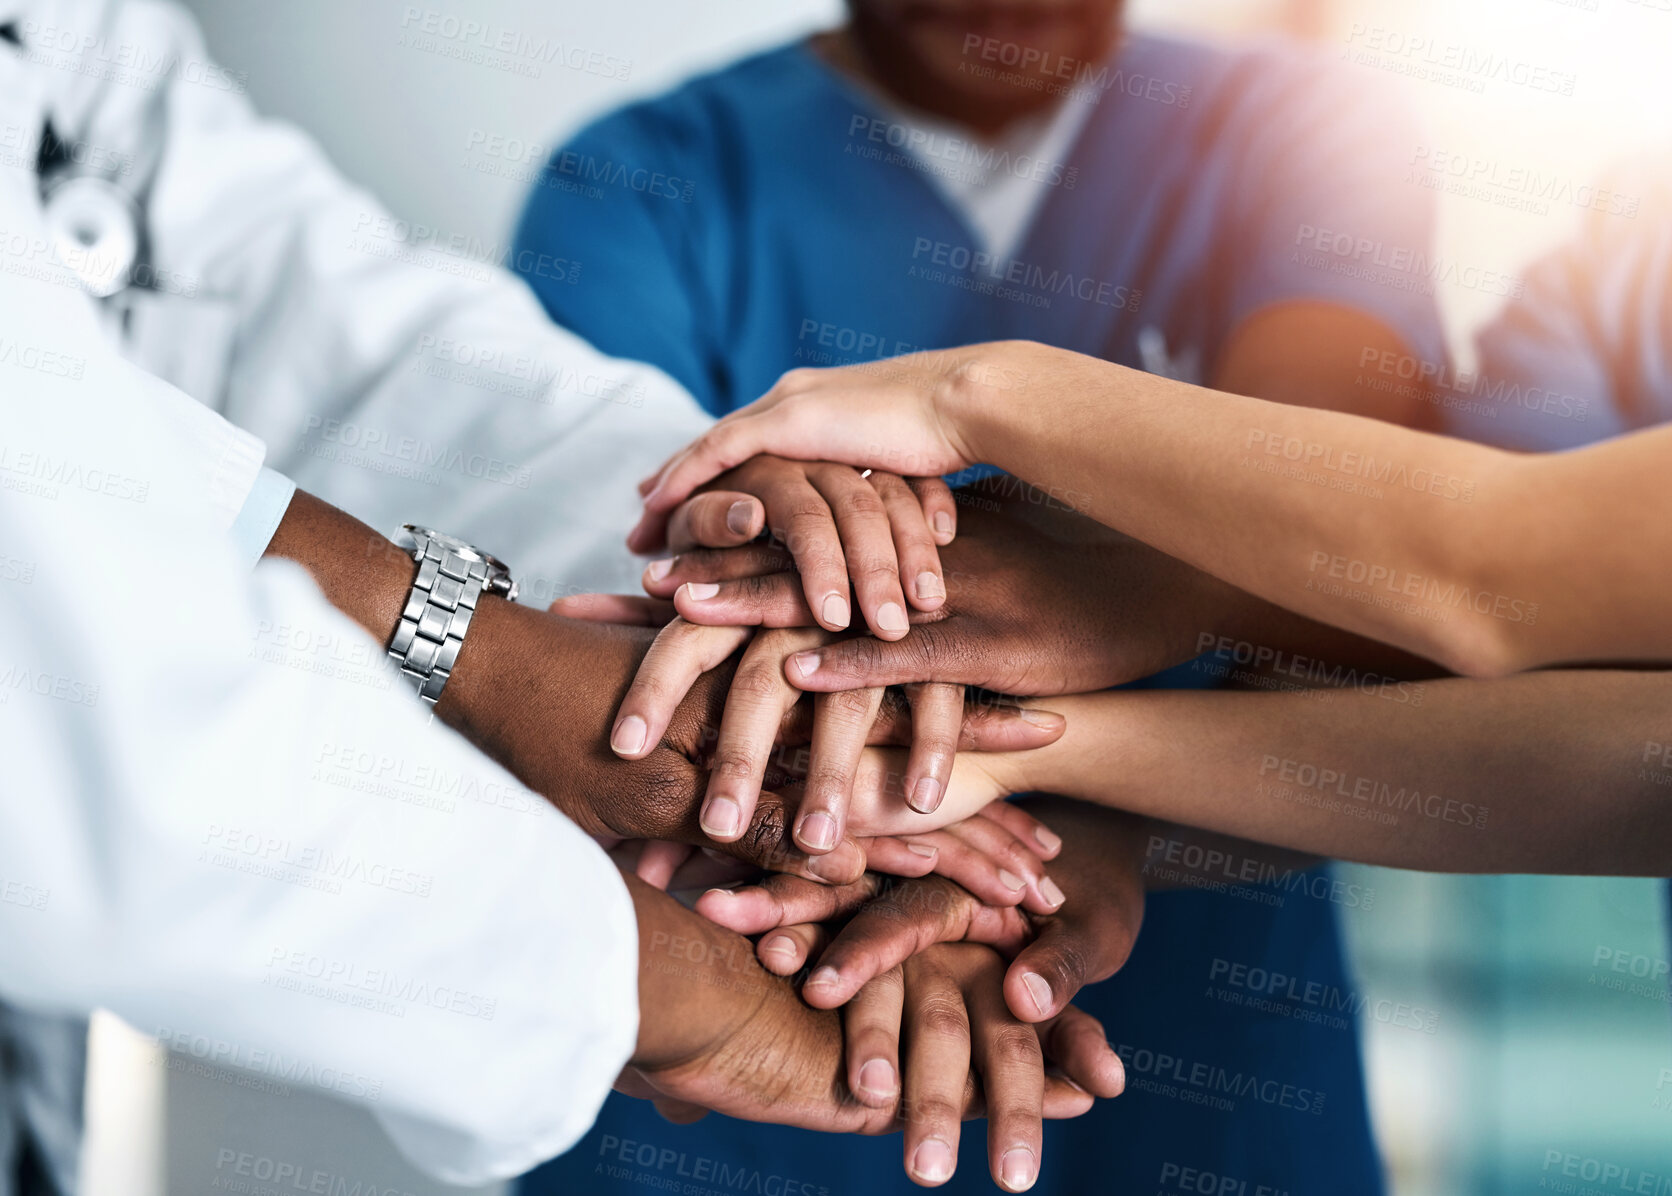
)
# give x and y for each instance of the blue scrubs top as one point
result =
(758, 219)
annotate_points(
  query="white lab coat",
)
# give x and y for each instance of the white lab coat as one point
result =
(223, 817)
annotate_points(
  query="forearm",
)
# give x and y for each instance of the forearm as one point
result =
(1481, 559)
(1545, 773)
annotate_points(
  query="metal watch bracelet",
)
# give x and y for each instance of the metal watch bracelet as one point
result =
(438, 611)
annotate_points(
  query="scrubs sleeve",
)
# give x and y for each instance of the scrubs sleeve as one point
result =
(1329, 209)
(623, 198)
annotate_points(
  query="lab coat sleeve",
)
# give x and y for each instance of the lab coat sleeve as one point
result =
(226, 818)
(388, 367)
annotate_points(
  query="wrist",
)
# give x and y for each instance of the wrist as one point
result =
(361, 573)
(698, 983)
(975, 401)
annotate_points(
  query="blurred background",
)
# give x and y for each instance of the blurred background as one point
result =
(1554, 1031)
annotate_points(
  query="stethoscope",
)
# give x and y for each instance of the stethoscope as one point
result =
(92, 223)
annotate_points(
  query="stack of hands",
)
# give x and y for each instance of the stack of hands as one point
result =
(834, 783)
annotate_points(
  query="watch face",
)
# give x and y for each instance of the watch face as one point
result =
(453, 544)
(469, 551)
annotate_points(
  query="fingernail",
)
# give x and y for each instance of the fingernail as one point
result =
(721, 816)
(1017, 1169)
(835, 610)
(890, 617)
(1041, 718)
(779, 944)
(932, 1161)
(1048, 889)
(1039, 991)
(943, 524)
(1047, 838)
(629, 735)
(740, 515)
(702, 591)
(660, 569)
(806, 663)
(1011, 881)
(818, 831)
(877, 1078)
(822, 977)
(929, 586)
(927, 850)
(926, 797)
(726, 893)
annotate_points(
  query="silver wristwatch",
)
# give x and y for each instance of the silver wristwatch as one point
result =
(452, 575)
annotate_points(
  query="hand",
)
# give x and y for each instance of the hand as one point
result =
(837, 524)
(716, 1032)
(1089, 938)
(896, 414)
(1041, 602)
(944, 1007)
(761, 701)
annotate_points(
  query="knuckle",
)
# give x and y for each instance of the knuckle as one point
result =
(936, 1110)
(757, 684)
(734, 764)
(942, 1016)
(1015, 1043)
(873, 567)
(863, 502)
(850, 705)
